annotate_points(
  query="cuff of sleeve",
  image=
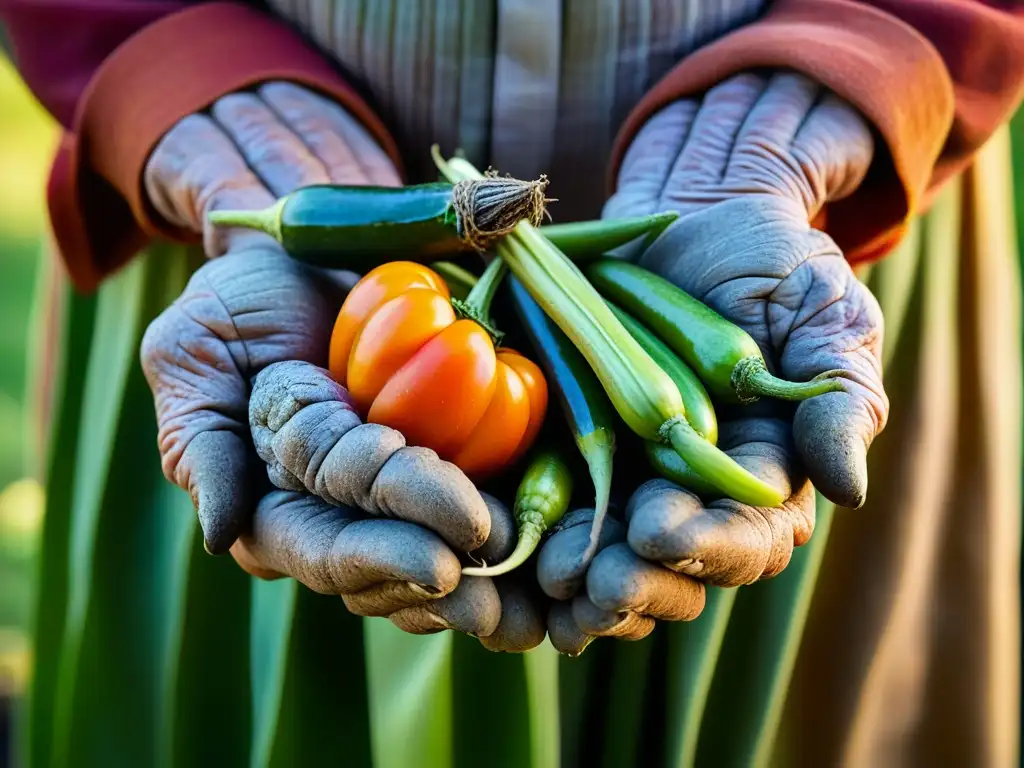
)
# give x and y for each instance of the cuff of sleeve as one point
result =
(170, 69)
(881, 65)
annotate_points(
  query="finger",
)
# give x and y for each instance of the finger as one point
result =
(703, 161)
(195, 169)
(381, 566)
(763, 141)
(625, 625)
(834, 129)
(474, 608)
(563, 631)
(501, 541)
(837, 329)
(418, 486)
(301, 419)
(620, 581)
(560, 565)
(724, 543)
(353, 463)
(648, 161)
(249, 563)
(522, 623)
(278, 156)
(293, 534)
(347, 151)
(215, 469)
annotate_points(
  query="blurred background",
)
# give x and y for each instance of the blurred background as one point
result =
(27, 140)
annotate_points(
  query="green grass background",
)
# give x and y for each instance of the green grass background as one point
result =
(27, 140)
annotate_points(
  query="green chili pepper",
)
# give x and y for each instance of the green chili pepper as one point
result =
(722, 354)
(358, 228)
(584, 404)
(643, 394)
(541, 501)
(700, 413)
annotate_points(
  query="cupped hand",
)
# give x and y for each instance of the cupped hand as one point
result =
(619, 594)
(385, 525)
(251, 305)
(654, 567)
(749, 167)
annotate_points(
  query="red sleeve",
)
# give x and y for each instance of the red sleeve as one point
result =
(935, 77)
(58, 45)
(119, 74)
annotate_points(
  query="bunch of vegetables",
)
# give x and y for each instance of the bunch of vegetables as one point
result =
(418, 350)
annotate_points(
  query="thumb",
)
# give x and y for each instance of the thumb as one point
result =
(192, 361)
(216, 466)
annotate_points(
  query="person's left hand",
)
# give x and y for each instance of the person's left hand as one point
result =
(749, 166)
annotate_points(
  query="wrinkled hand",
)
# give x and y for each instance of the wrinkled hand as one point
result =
(655, 566)
(749, 167)
(253, 306)
(619, 595)
(385, 525)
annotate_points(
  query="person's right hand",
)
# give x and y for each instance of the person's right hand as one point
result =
(384, 525)
(251, 305)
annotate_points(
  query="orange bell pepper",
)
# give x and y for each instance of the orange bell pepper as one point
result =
(410, 362)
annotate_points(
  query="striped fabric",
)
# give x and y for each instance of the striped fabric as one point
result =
(528, 86)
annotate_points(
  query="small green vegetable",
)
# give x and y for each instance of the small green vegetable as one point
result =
(541, 501)
(359, 228)
(722, 354)
(669, 465)
(584, 404)
(643, 394)
(700, 413)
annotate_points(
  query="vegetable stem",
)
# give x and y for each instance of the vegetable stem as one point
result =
(267, 220)
(719, 468)
(482, 293)
(460, 281)
(598, 449)
(529, 538)
(751, 380)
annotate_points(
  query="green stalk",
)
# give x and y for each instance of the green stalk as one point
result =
(585, 240)
(460, 281)
(477, 306)
(644, 395)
